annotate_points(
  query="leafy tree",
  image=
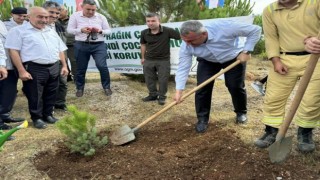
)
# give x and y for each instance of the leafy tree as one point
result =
(126, 12)
(123, 12)
(39, 2)
(6, 6)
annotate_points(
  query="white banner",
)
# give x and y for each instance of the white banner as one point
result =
(123, 47)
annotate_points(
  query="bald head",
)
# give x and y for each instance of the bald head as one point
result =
(38, 17)
(35, 10)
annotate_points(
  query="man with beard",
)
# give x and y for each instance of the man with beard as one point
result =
(64, 20)
(36, 51)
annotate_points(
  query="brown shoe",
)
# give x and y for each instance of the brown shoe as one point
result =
(79, 93)
(108, 92)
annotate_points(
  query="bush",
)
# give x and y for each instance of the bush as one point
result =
(260, 50)
(81, 132)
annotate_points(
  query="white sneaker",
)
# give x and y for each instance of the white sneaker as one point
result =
(258, 86)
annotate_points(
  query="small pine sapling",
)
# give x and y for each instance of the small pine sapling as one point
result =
(79, 127)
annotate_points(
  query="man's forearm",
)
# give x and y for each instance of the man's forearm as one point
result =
(16, 60)
(143, 50)
(63, 59)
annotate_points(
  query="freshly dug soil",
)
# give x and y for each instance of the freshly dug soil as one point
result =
(173, 150)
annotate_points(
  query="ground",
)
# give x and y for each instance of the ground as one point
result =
(166, 148)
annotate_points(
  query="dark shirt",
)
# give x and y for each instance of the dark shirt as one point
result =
(70, 37)
(158, 45)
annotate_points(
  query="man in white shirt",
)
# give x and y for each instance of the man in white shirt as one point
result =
(3, 70)
(36, 51)
(3, 75)
(19, 15)
(8, 86)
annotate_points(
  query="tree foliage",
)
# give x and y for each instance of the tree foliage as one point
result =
(6, 6)
(39, 2)
(81, 132)
(127, 12)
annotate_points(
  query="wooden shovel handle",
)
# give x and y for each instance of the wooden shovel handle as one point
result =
(187, 94)
(298, 96)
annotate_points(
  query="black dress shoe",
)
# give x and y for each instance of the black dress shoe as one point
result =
(79, 93)
(39, 124)
(61, 107)
(149, 98)
(50, 119)
(108, 92)
(241, 118)
(5, 127)
(13, 120)
(201, 126)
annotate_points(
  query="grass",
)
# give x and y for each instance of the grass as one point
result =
(125, 107)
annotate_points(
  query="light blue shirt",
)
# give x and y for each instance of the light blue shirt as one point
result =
(39, 46)
(221, 46)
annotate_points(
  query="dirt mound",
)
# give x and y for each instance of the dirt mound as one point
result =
(173, 150)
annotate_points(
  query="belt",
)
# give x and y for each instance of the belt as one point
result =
(43, 65)
(91, 42)
(302, 53)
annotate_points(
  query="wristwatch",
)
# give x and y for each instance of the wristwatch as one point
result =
(246, 52)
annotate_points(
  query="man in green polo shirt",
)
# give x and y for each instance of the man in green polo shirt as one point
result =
(155, 57)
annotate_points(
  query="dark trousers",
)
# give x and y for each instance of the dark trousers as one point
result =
(70, 54)
(42, 89)
(62, 89)
(8, 94)
(157, 71)
(234, 81)
(82, 52)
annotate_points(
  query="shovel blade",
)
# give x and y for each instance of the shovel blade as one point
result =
(280, 150)
(122, 135)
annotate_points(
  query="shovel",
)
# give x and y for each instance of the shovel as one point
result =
(125, 134)
(281, 148)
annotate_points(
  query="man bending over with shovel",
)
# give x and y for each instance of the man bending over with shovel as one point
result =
(216, 47)
(288, 25)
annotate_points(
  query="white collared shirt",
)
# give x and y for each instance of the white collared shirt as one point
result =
(3, 56)
(39, 46)
(3, 35)
(77, 21)
(11, 24)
